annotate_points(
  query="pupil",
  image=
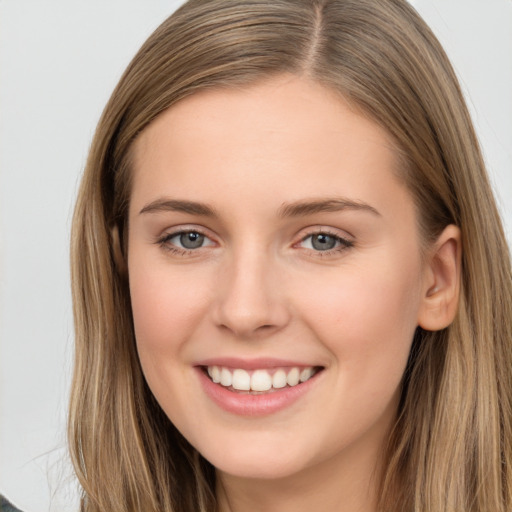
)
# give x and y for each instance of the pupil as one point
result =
(191, 240)
(323, 242)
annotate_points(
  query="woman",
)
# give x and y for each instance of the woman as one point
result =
(283, 292)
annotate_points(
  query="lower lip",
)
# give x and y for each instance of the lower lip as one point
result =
(245, 404)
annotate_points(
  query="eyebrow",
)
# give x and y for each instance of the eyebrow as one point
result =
(302, 208)
(176, 205)
(296, 209)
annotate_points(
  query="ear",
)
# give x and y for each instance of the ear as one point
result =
(442, 281)
(117, 252)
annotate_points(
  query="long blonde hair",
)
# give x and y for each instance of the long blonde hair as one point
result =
(451, 448)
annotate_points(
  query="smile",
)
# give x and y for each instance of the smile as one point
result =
(259, 380)
(257, 387)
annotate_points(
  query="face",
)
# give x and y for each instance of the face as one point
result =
(275, 276)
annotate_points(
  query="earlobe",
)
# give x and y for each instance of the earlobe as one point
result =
(117, 252)
(442, 281)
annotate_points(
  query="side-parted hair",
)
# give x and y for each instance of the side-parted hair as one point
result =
(451, 447)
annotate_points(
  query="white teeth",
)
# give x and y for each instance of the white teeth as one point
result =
(241, 380)
(259, 380)
(214, 373)
(279, 379)
(293, 377)
(306, 374)
(226, 379)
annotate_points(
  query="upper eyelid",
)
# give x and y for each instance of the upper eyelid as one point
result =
(178, 230)
(328, 233)
(336, 232)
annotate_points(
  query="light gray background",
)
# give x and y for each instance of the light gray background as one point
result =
(59, 61)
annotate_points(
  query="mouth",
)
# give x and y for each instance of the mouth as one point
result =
(258, 387)
(259, 380)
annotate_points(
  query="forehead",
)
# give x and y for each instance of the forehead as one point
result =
(254, 140)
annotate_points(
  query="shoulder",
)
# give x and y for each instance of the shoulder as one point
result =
(6, 506)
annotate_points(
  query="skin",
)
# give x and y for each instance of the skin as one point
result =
(257, 287)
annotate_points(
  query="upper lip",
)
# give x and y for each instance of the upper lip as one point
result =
(254, 364)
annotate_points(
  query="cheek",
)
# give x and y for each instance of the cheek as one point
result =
(367, 315)
(367, 321)
(167, 306)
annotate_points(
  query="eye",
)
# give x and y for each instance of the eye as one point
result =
(189, 240)
(185, 240)
(324, 242)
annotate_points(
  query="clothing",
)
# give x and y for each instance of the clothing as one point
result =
(6, 506)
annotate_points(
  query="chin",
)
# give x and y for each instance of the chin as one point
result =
(258, 469)
(268, 464)
(254, 460)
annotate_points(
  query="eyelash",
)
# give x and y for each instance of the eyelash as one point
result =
(342, 244)
(180, 251)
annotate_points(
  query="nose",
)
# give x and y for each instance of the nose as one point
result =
(250, 301)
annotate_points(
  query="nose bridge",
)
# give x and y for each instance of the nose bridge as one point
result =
(250, 300)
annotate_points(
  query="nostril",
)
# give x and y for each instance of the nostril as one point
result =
(248, 308)
(248, 332)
